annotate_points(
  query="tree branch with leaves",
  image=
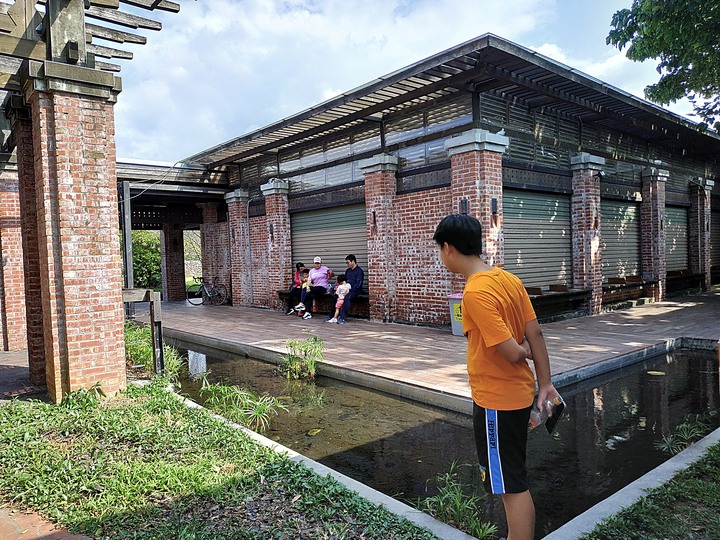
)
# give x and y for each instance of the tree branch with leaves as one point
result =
(682, 35)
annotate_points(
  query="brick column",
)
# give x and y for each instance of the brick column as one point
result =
(73, 132)
(279, 247)
(172, 258)
(652, 224)
(240, 254)
(699, 233)
(13, 330)
(207, 240)
(20, 116)
(476, 187)
(586, 241)
(380, 188)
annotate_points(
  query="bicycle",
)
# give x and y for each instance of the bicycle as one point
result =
(201, 293)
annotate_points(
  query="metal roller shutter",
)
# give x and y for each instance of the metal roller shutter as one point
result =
(331, 233)
(715, 238)
(538, 238)
(620, 227)
(676, 238)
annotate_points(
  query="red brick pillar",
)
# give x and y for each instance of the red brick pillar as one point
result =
(75, 182)
(476, 187)
(279, 247)
(699, 233)
(207, 240)
(20, 116)
(380, 189)
(586, 241)
(240, 254)
(13, 330)
(652, 224)
(172, 258)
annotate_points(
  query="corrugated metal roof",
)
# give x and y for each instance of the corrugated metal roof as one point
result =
(484, 62)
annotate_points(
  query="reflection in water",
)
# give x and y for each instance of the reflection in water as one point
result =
(605, 440)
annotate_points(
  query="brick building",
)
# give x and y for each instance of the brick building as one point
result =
(589, 194)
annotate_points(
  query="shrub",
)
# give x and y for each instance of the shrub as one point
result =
(303, 355)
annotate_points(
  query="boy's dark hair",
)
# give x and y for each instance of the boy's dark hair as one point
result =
(305, 271)
(351, 258)
(299, 266)
(341, 278)
(462, 231)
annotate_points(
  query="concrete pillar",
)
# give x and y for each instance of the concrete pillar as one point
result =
(699, 233)
(279, 246)
(380, 189)
(20, 116)
(172, 258)
(652, 225)
(240, 254)
(476, 187)
(76, 205)
(12, 282)
(586, 217)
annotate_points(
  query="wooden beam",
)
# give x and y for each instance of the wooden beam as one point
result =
(104, 66)
(109, 52)
(154, 4)
(117, 36)
(22, 48)
(122, 19)
(109, 4)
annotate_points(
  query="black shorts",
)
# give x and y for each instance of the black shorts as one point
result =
(501, 440)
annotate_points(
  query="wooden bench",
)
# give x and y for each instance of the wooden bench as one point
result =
(623, 289)
(684, 280)
(359, 307)
(558, 302)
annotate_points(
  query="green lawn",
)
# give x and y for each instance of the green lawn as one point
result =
(145, 466)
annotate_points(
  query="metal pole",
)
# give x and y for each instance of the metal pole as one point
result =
(126, 227)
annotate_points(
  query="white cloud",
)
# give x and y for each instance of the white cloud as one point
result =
(222, 68)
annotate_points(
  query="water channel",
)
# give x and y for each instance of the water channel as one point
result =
(605, 440)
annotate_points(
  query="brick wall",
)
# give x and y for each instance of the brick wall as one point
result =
(216, 262)
(23, 131)
(261, 287)
(78, 237)
(423, 282)
(172, 256)
(586, 240)
(652, 226)
(241, 265)
(279, 247)
(13, 330)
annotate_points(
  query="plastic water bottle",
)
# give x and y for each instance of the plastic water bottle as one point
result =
(538, 417)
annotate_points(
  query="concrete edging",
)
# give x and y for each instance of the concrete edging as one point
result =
(438, 528)
(586, 522)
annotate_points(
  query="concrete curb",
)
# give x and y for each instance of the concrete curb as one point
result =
(586, 522)
(438, 528)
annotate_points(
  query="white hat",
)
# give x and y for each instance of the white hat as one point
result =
(317, 260)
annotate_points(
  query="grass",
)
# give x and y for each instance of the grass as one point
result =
(687, 508)
(144, 466)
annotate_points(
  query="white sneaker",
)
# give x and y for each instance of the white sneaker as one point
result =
(300, 307)
(307, 316)
(333, 320)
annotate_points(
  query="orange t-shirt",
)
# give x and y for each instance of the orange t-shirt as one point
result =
(495, 307)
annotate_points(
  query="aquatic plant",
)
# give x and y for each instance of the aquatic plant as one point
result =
(139, 352)
(240, 405)
(458, 501)
(694, 428)
(303, 355)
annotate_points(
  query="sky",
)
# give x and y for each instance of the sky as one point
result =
(220, 69)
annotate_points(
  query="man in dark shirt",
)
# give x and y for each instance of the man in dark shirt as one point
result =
(354, 275)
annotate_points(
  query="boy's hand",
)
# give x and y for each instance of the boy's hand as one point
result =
(528, 350)
(546, 393)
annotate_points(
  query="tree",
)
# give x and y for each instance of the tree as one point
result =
(146, 259)
(683, 36)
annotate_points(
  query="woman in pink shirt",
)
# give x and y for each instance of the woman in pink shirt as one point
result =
(319, 277)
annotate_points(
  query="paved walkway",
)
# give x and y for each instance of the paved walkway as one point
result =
(417, 356)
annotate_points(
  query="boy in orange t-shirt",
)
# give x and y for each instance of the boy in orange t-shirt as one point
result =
(503, 334)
